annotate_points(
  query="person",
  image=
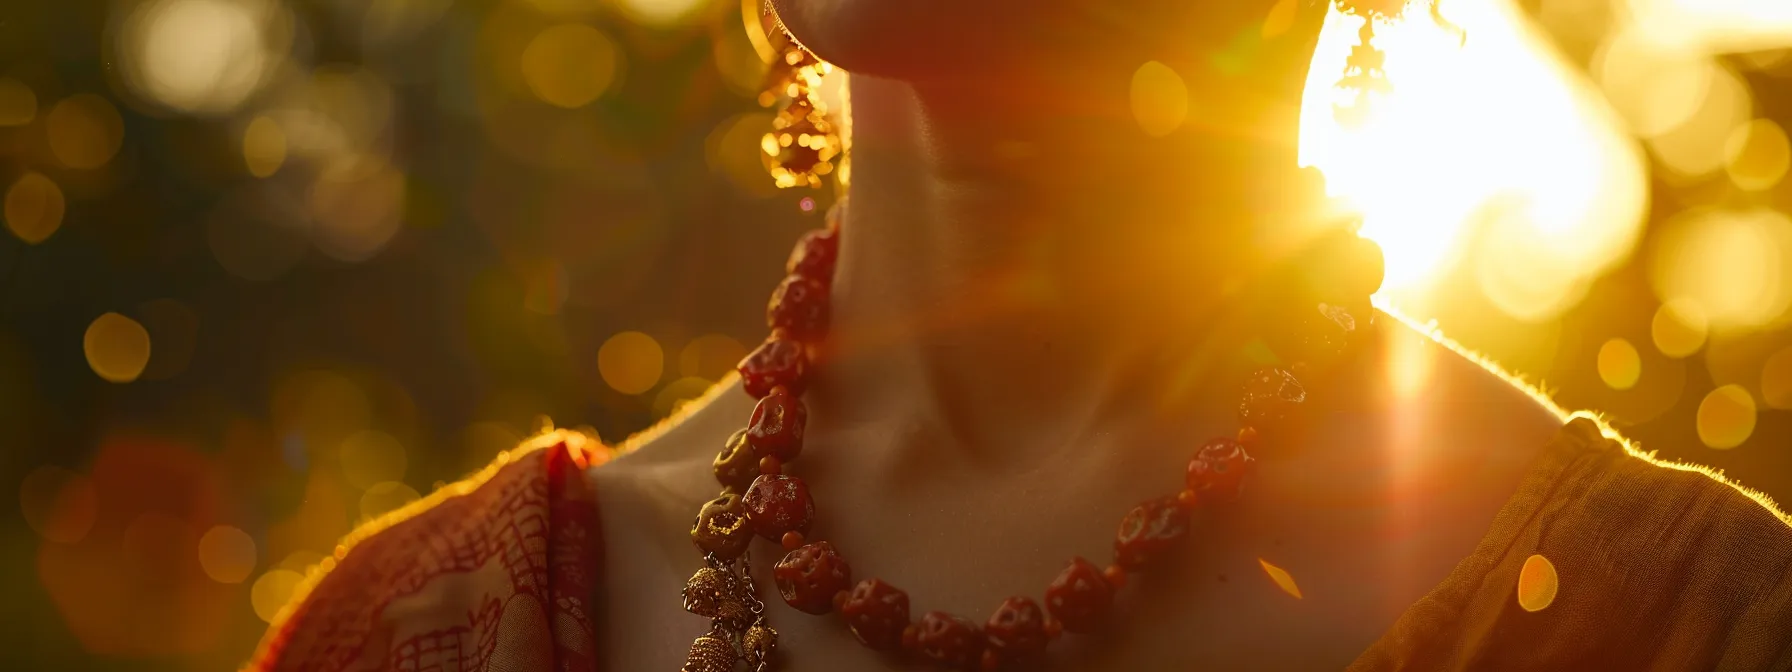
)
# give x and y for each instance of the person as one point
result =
(1034, 315)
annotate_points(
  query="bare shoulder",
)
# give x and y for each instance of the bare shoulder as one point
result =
(1454, 393)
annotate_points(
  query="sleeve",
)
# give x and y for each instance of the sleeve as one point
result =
(494, 572)
(1653, 566)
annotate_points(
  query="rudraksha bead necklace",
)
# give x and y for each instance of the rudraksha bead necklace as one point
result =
(758, 498)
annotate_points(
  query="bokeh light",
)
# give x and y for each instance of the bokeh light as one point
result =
(174, 329)
(58, 504)
(660, 13)
(1734, 265)
(117, 347)
(357, 205)
(1776, 380)
(1726, 417)
(1537, 583)
(18, 103)
(1757, 155)
(85, 131)
(569, 65)
(710, 356)
(677, 393)
(264, 146)
(1619, 364)
(200, 55)
(34, 208)
(370, 457)
(631, 362)
(271, 591)
(1159, 99)
(227, 554)
(385, 497)
(1679, 328)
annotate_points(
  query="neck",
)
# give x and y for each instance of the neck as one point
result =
(1029, 252)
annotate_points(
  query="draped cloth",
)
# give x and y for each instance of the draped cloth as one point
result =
(493, 573)
(1654, 567)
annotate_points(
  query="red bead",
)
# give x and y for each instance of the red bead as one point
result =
(1116, 576)
(816, 252)
(1148, 530)
(776, 428)
(949, 641)
(1080, 596)
(1016, 631)
(1218, 470)
(1054, 628)
(800, 306)
(791, 540)
(877, 612)
(1247, 436)
(1188, 499)
(778, 504)
(809, 576)
(1271, 397)
(736, 466)
(722, 528)
(778, 362)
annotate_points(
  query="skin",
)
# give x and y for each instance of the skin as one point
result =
(1024, 278)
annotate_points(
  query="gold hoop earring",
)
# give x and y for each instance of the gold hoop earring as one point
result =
(803, 143)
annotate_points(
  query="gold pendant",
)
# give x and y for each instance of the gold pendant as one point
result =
(758, 646)
(714, 593)
(709, 653)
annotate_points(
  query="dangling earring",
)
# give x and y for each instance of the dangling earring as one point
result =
(1364, 72)
(803, 142)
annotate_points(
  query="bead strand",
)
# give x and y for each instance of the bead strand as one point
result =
(759, 498)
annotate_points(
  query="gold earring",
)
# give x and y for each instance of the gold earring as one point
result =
(803, 142)
(1364, 72)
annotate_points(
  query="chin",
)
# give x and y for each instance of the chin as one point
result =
(933, 39)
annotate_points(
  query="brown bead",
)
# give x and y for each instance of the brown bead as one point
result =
(776, 427)
(736, 466)
(778, 504)
(809, 576)
(709, 654)
(1218, 470)
(1148, 531)
(911, 636)
(877, 612)
(1016, 632)
(1080, 597)
(1271, 397)
(840, 599)
(1188, 499)
(1054, 628)
(778, 362)
(791, 540)
(949, 641)
(722, 527)
(770, 466)
(799, 305)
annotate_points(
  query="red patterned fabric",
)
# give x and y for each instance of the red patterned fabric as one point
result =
(494, 573)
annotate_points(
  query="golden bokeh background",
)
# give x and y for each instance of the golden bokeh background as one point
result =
(274, 267)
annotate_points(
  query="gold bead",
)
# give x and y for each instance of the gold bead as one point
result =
(709, 654)
(758, 646)
(712, 593)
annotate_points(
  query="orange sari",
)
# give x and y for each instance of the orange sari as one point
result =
(495, 572)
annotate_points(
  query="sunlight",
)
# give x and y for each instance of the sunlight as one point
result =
(1477, 136)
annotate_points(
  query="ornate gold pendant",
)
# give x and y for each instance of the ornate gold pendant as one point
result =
(725, 594)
